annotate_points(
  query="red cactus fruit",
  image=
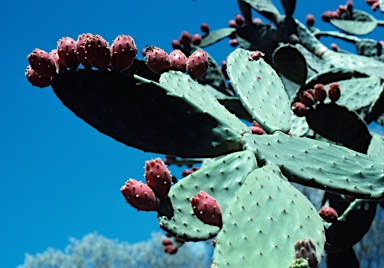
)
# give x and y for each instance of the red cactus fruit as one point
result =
(206, 209)
(319, 92)
(233, 42)
(328, 214)
(232, 24)
(139, 195)
(157, 59)
(307, 98)
(166, 242)
(370, 2)
(196, 39)
(178, 60)
(299, 109)
(310, 20)
(334, 92)
(123, 51)
(158, 177)
(66, 49)
(375, 6)
(257, 130)
(197, 63)
(42, 63)
(335, 15)
(35, 79)
(239, 20)
(55, 56)
(335, 47)
(175, 44)
(326, 16)
(341, 9)
(80, 48)
(204, 28)
(255, 55)
(185, 38)
(170, 249)
(97, 52)
(349, 5)
(306, 249)
(186, 172)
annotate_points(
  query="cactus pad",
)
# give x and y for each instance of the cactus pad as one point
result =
(128, 108)
(260, 90)
(319, 164)
(263, 222)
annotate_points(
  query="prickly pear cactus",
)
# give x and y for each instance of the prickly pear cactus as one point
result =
(310, 106)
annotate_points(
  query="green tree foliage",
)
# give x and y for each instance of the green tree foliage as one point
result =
(97, 251)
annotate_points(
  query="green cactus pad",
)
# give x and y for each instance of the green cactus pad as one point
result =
(291, 63)
(299, 127)
(260, 90)
(319, 164)
(376, 147)
(314, 63)
(360, 64)
(146, 115)
(215, 36)
(195, 93)
(263, 222)
(340, 125)
(264, 7)
(360, 23)
(369, 48)
(357, 93)
(220, 179)
(234, 105)
(346, 37)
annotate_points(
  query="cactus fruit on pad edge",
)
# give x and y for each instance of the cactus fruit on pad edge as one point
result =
(146, 115)
(220, 179)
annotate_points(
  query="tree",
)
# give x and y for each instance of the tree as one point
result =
(97, 251)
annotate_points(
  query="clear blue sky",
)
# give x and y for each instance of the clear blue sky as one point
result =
(59, 176)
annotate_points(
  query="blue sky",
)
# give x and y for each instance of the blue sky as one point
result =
(60, 177)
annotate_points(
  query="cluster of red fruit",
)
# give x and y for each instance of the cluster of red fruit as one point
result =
(310, 96)
(89, 50)
(346, 9)
(159, 61)
(373, 3)
(146, 197)
(171, 245)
